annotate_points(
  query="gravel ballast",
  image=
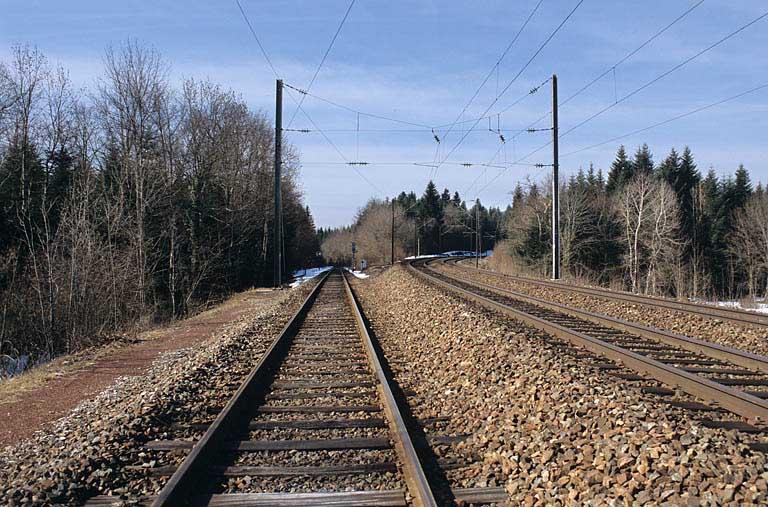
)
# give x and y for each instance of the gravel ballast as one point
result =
(745, 337)
(545, 425)
(98, 448)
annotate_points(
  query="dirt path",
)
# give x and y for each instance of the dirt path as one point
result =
(31, 401)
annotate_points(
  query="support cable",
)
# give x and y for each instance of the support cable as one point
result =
(322, 61)
(668, 120)
(654, 80)
(514, 79)
(298, 105)
(645, 129)
(494, 68)
(613, 67)
(355, 111)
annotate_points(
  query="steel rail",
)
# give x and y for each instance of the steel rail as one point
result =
(738, 402)
(414, 473)
(179, 488)
(714, 350)
(711, 311)
(182, 487)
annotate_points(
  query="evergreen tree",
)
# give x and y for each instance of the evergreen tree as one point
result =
(734, 194)
(60, 181)
(620, 173)
(456, 199)
(518, 197)
(669, 169)
(742, 189)
(22, 190)
(431, 219)
(683, 177)
(581, 178)
(643, 162)
(591, 177)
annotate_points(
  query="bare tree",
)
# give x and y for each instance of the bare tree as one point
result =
(749, 242)
(27, 76)
(634, 206)
(664, 243)
(130, 95)
(576, 227)
(650, 214)
(8, 99)
(130, 204)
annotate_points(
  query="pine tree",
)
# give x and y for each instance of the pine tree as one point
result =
(620, 173)
(518, 197)
(685, 186)
(734, 194)
(643, 162)
(581, 178)
(591, 177)
(669, 169)
(682, 176)
(431, 217)
(742, 189)
(60, 181)
(22, 189)
(456, 199)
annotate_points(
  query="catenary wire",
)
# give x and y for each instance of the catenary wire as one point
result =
(298, 105)
(352, 110)
(513, 80)
(495, 67)
(613, 67)
(322, 61)
(668, 120)
(645, 129)
(654, 80)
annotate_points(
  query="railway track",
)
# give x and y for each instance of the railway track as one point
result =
(316, 422)
(652, 357)
(705, 310)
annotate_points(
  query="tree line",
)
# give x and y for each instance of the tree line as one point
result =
(432, 223)
(662, 229)
(132, 201)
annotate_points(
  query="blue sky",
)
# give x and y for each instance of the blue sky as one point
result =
(421, 61)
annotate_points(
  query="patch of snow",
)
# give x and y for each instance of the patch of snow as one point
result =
(12, 366)
(358, 274)
(302, 275)
(758, 306)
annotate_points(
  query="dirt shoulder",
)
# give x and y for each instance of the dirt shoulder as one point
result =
(30, 402)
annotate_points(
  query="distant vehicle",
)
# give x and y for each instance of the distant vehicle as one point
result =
(459, 253)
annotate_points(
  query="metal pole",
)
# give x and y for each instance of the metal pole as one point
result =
(477, 234)
(555, 186)
(278, 278)
(415, 238)
(392, 258)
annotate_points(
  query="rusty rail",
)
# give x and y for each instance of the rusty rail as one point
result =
(704, 310)
(736, 401)
(714, 350)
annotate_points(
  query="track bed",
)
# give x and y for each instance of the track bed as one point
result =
(315, 423)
